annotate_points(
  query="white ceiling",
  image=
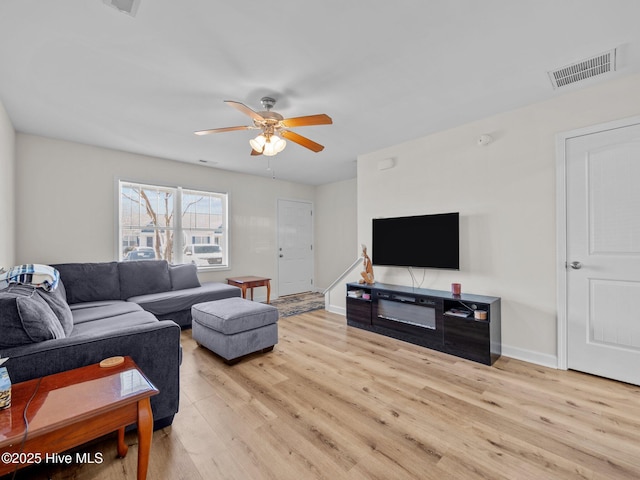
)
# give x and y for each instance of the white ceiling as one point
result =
(386, 72)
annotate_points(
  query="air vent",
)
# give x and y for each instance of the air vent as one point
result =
(130, 7)
(591, 67)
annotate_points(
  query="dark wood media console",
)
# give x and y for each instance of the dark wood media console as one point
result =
(466, 325)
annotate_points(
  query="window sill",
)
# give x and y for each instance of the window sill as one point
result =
(212, 268)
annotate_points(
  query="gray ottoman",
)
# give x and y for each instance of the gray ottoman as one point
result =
(234, 327)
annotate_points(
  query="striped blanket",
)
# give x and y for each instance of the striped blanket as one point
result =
(42, 276)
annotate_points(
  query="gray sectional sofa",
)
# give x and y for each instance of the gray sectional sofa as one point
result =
(100, 310)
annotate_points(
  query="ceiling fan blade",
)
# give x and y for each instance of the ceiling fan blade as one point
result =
(219, 130)
(320, 119)
(300, 140)
(244, 109)
(255, 152)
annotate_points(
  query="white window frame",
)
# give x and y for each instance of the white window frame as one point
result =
(179, 232)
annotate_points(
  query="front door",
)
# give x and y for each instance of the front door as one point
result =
(603, 252)
(295, 247)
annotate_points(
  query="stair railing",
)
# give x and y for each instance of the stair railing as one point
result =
(344, 274)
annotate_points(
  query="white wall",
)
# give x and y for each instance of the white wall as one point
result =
(505, 193)
(335, 230)
(7, 190)
(67, 201)
(336, 239)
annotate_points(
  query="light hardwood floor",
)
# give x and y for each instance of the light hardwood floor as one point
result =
(334, 402)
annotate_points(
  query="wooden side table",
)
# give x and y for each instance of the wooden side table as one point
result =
(71, 408)
(251, 282)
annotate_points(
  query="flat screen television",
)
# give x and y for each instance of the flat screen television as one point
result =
(424, 241)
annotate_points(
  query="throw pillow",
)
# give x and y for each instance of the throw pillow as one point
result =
(26, 318)
(57, 301)
(183, 276)
(143, 277)
(90, 282)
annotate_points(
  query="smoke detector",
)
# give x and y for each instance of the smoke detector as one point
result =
(130, 7)
(484, 140)
(584, 69)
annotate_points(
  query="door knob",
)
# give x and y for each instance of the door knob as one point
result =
(576, 265)
(281, 255)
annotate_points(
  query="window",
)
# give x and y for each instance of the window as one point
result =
(169, 222)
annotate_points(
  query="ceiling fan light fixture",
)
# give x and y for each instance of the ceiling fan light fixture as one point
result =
(279, 144)
(258, 143)
(268, 146)
(273, 146)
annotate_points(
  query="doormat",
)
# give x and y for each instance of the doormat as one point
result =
(299, 303)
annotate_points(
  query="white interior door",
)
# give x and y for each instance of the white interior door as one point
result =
(295, 247)
(603, 253)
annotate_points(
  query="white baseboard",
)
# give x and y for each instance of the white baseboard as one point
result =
(529, 356)
(339, 310)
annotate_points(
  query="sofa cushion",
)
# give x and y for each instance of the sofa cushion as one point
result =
(143, 277)
(183, 276)
(90, 282)
(115, 325)
(177, 300)
(100, 303)
(57, 301)
(100, 310)
(26, 318)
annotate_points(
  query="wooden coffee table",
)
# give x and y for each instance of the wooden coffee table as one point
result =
(251, 282)
(72, 408)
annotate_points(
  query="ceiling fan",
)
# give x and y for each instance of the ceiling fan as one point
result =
(273, 124)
